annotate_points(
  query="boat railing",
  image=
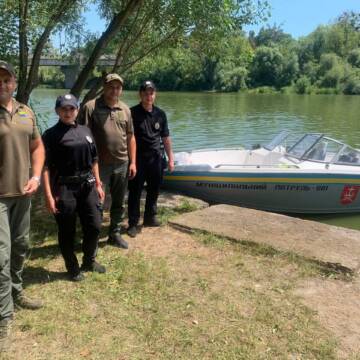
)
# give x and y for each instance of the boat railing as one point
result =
(258, 166)
(217, 149)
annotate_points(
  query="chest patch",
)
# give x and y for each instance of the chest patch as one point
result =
(157, 126)
(23, 114)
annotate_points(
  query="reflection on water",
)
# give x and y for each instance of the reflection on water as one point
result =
(351, 221)
(210, 120)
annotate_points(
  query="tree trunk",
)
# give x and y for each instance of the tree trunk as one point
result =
(92, 93)
(32, 78)
(23, 48)
(107, 35)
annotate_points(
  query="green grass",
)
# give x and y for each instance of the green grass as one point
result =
(165, 213)
(212, 300)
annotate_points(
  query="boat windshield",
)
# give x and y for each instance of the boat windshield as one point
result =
(314, 147)
(324, 150)
(278, 140)
(304, 145)
(317, 147)
(348, 156)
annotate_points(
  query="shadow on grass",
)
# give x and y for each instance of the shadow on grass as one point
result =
(52, 251)
(49, 252)
(38, 275)
(43, 225)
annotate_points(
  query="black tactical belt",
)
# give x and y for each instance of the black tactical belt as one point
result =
(75, 179)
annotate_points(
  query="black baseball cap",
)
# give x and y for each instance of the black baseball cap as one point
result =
(66, 100)
(148, 84)
(8, 67)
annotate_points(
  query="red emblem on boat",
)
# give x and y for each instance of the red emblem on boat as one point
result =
(349, 194)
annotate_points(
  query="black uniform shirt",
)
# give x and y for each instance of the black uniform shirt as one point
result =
(149, 128)
(70, 149)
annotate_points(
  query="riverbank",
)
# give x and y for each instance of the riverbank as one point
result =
(176, 295)
(287, 90)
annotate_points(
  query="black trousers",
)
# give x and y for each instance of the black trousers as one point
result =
(149, 169)
(81, 199)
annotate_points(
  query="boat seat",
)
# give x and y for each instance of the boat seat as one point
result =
(257, 159)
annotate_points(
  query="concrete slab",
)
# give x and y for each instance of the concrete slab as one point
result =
(325, 243)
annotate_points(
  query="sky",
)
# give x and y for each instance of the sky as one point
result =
(296, 17)
(301, 17)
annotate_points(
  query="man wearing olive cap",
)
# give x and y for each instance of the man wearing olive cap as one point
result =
(20, 148)
(111, 124)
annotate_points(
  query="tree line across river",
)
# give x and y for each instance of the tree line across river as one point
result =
(181, 46)
(327, 61)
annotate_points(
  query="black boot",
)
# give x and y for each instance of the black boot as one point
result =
(132, 230)
(117, 241)
(93, 267)
(151, 221)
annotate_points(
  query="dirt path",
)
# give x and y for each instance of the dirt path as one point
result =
(337, 305)
(336, 302)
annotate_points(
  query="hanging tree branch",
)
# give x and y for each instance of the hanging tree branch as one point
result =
(95, 90)
(31, 80)
(147, 52)
(114, 26)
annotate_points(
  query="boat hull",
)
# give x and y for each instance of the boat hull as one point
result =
(278, 192)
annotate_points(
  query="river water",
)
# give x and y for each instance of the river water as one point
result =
(212, 120)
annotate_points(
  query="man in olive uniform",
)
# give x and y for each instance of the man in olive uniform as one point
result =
(111, 124)
(20, 148)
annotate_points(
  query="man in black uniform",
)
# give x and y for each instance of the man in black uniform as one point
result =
(72, 185)
(150, 128)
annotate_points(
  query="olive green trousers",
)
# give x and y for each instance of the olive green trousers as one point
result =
(14, 243)
(115, 179)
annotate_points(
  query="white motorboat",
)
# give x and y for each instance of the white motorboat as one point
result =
(313, 174)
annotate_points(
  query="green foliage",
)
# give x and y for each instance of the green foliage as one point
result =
(273, 35)
(350, 19)
(197, 45)
(314, 45)
(272, 59)
(303, 85)
(333, 77)
(40, 14)
(311, 70)
(354, 57)
(352, 85)
(272, 68)
(266, 66)
(192, 66)
(8, 30)
(50, 76)
(232, 79)
(327, 62)
(290, 69)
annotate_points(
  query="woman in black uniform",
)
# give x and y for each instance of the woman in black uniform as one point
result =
(72, 186)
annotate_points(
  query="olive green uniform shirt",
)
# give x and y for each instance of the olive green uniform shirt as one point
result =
(110, 127)
(17, 129)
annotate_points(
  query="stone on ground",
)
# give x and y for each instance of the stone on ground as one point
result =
(321, 242)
